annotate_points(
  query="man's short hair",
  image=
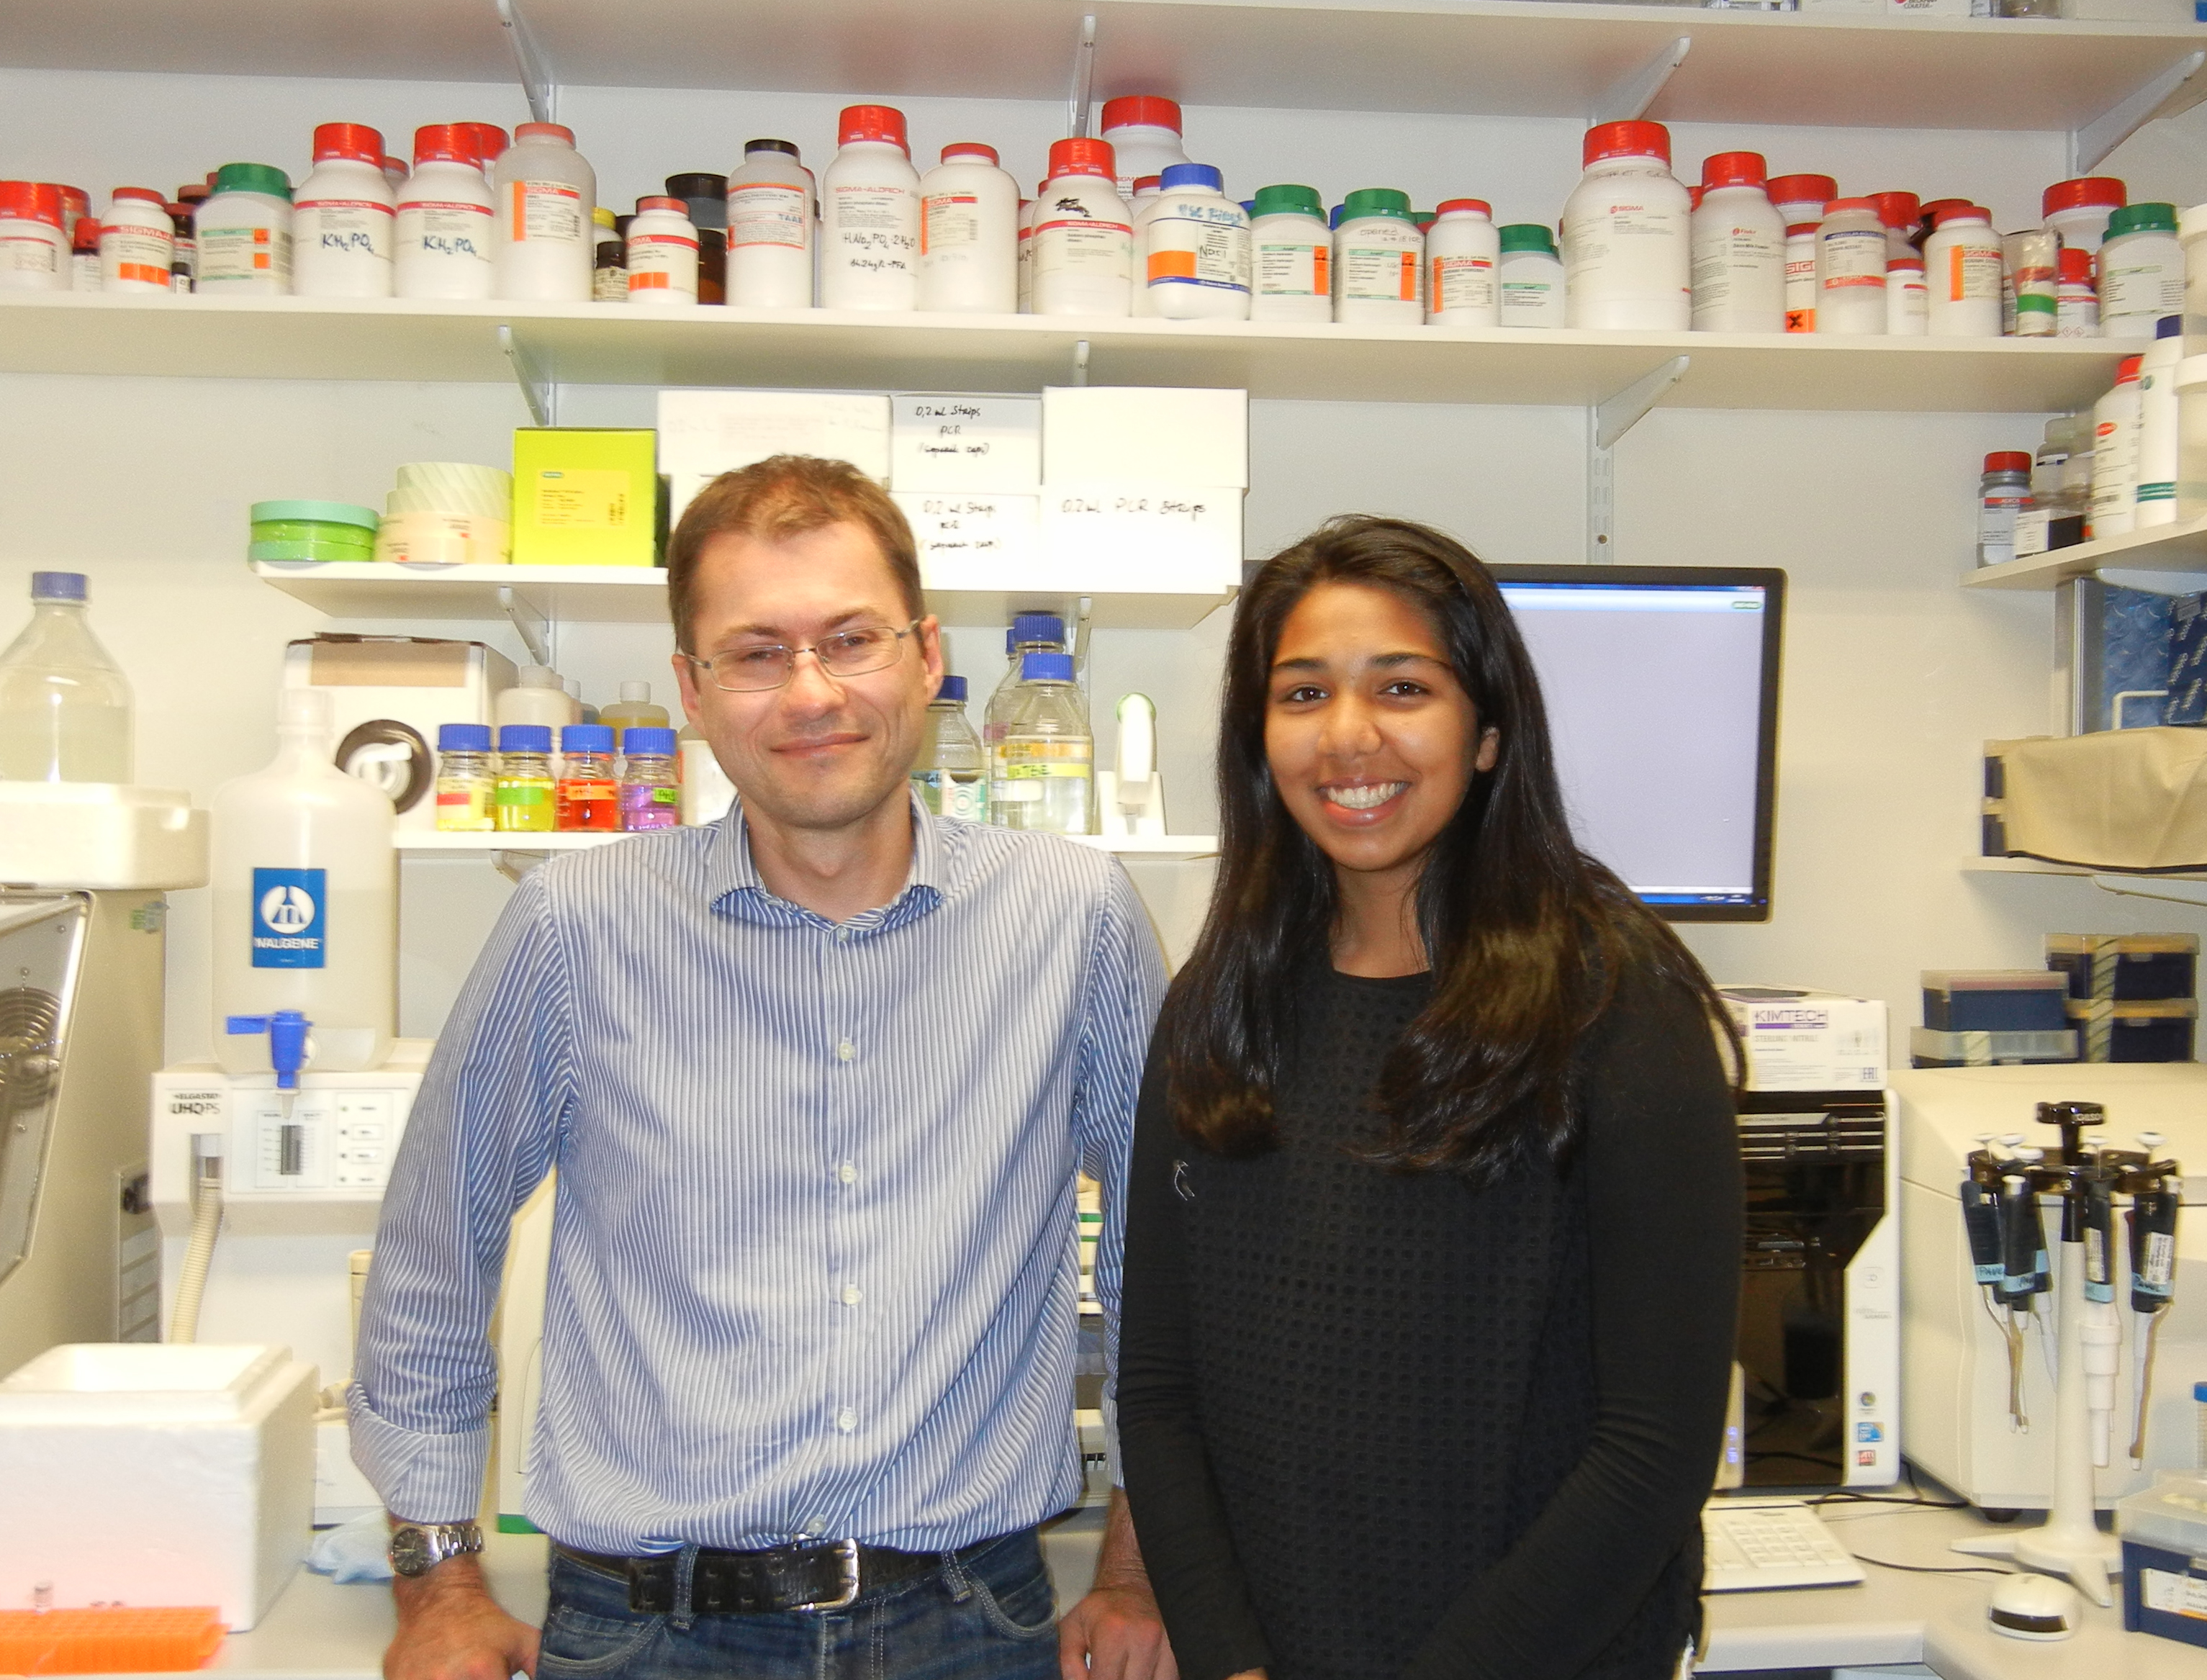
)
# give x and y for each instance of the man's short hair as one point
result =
(782, 497)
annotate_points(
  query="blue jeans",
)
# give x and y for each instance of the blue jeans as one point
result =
(991, 1616)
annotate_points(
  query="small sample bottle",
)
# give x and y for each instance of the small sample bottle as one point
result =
(1378, 260)
(344, 224)
(2003, 492)
(633, 710)
(1083, 249)
(523, 800)
(969, 234)
(1144, 133)
(2075, 299)
(544, 244)
(1291, 256)
(870, 216)
(2141, 267)
(950, 772)
(2115, 456)
(1962, 265)
(770, 229)
(137, 244)
(1532, 276)
(1628, 235)
(609, 266)
(444, 224)
(187, 248)
(663, 253)
(1195, 248)
(244, 232)
(1463, 251)
(1851, 260)
(467, 779)
(76, 206)
(1026, 250)
(2030, 303)
(1143, 202)
(1047, 765)
(588, 800)
(1739, 249)
(84, 256)
(1799, 200)
(1907, 298)
(2157, 443)
(650, 790)
(705, 199)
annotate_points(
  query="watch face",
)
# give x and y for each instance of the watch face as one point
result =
(411, 1553)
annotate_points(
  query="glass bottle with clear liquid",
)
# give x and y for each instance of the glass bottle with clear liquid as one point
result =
(950, 772)
(64, 704)
(1031, 633)
(1046, 778)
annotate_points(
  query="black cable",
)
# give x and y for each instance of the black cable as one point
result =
(1936, 1569)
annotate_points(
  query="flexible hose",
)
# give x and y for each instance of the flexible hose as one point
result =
(199, 1253)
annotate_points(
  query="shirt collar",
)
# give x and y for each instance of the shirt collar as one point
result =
(733, 884)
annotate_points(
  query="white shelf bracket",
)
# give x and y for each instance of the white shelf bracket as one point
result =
(1078, 96)
(1079, 374)
(535, 389)
(2089, 146)
(1630, 98)
(530, 625)
(2149, 886)
(1606, 424)
(537, 81)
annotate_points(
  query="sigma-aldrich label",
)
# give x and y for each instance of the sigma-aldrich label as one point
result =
(290, 918)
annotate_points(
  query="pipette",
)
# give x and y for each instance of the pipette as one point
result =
(2088, 1204)
(2152, 1221)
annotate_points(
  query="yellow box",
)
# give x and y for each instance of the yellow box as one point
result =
(585, 495)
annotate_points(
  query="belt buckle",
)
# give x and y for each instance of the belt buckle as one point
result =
(846, 1557)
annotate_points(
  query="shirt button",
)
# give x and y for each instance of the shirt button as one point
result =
(851, 1294)
(847, 1420)
(848, 1173)
(844, 1051)
(843, 936)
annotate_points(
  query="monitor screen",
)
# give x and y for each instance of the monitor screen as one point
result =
(1661, 685)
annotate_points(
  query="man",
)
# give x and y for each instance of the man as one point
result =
(817, 1081)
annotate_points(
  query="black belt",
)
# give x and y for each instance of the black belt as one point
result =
(830, 1576)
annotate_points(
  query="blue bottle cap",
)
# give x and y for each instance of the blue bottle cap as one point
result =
(463, 737)
(953, 688)
(1037, 627)
(587, 737)
(1046, 668)
(1191, 174)
(2169, 326)
(525, 737)
(1333, 217)
(57, 586)
(648, 740)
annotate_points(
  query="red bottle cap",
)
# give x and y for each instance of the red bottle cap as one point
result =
(2128, 369)
(1480, 205)
(1931, 209)
(1693, 196)
(1910, 264)
(190, 195)
(1838, 205)
(1081, 157)
(30, 201)
(355, 142)
(1147, 183)
(1626, 139)
(881, 124)
(2074, 263)
(970, 148)
(1960, 212)
(86, 238)
(1804, 189)
(559, 131)
(2008, 461)
(147, 194)
(442, 143)
(1144, 111)
(73, 200)
(1897, 210)
(2091, 191)
(485, 141)
(394, 165)
(680, 205)
(1734, 168)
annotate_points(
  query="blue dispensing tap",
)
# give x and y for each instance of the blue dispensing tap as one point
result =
(287, 1031)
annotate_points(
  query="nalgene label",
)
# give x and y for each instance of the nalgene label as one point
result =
(290, 918)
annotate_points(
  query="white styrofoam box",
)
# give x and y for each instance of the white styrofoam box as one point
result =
(952, 443)
(1809, 1041)
(157, 1473)
(1113, 537)
(704, 434)
(389, 695)
(99, 834)
(1149, 435)
(1926, 8)
(975, 541)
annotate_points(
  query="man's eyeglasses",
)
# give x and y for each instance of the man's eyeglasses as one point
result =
(755, 667)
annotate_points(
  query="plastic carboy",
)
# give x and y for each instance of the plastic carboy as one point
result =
(64, 705)
(1047, 778)
(306, 909)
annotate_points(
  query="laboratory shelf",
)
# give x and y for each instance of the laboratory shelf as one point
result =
(2162, 554)
(637, 595)
(395, 339)
(2175, 886)
(1483, 58)
(429, 842)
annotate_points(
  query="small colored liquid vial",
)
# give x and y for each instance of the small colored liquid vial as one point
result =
(650, 789)
(589, 794)
(521, 803)
(467, 779)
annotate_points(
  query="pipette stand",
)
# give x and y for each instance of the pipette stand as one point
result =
(1130, 808)
(2070, 1543)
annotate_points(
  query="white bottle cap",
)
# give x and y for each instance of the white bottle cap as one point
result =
(639, 691)
(537, 676)
(303, 708)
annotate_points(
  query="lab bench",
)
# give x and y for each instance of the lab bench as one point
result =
(321, 1631)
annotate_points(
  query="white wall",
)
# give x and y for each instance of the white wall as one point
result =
(1894, 677)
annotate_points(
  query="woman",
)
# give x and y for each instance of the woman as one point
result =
(1433, 1235)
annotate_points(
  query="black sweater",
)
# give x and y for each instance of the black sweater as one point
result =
(1377, 1424)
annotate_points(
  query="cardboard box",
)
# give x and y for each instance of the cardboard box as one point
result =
(957, 445)
(1808, 1041)
(704, 434)
(1151, 436)
(585, 495)
(971, 541)
(1099, 537)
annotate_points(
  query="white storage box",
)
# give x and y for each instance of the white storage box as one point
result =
(973, 541)
(704, 434)
(1160, 540)
(1147, 435)
(153, 1474)
(1809, 1041)
(100, 834)
(957, 445)
(389, 696)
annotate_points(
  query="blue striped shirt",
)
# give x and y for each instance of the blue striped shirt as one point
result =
(814, 1262)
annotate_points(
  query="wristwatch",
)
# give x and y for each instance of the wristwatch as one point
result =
(419, 1547)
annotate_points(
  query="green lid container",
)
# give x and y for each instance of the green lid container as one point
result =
(316, 532)
(1288, 200)
(253, 178)
(1377, 202)
(1528, 236)
(2142, 219)
(320, 513)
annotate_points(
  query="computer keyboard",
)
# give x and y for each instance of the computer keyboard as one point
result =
(1751, 1546)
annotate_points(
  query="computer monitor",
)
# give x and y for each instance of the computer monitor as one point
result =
(1661, 685)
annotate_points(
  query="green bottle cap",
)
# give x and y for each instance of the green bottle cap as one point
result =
(1289, 201)
(1528, 236)
(1376, 201)
(2142, 219)
(318, 513)
(253, 178)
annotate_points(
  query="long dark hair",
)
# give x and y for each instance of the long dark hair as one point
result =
(1527, 936)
